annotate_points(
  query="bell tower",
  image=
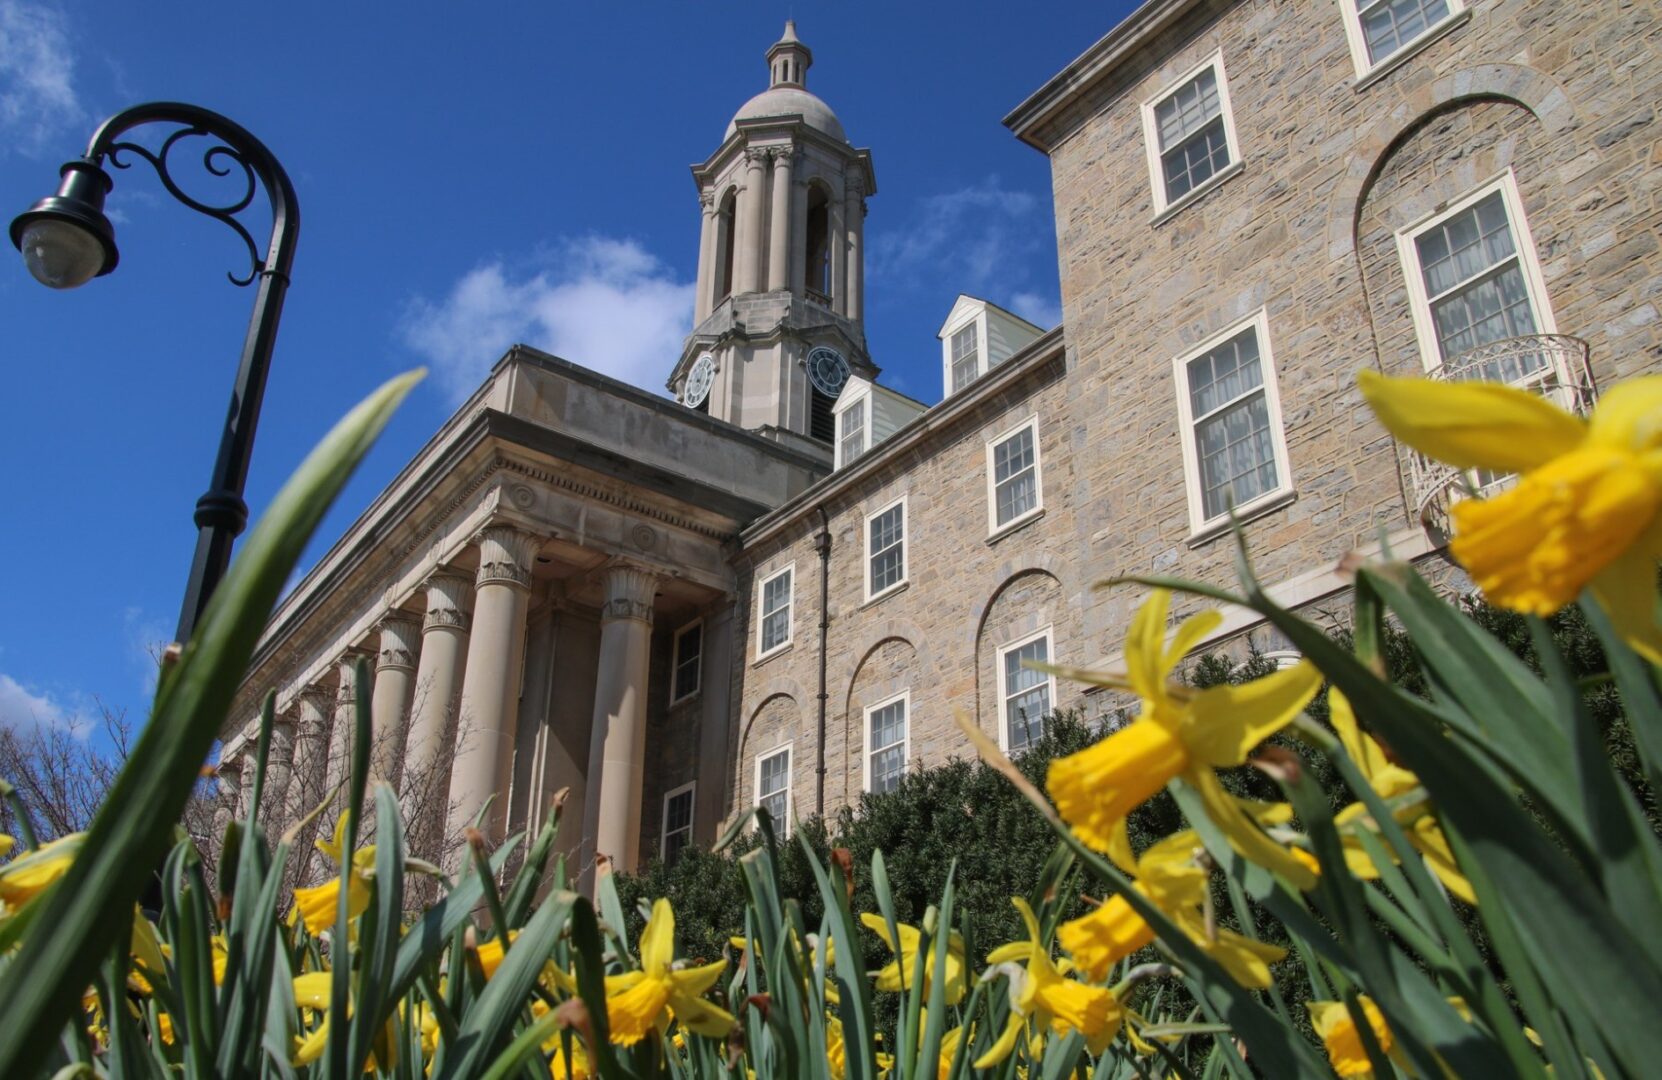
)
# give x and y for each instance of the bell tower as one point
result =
(778, 323)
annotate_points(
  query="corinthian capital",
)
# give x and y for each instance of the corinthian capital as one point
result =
(447, 596)
(629, 592)
(757, 155)
(400, 641)
(505, 555)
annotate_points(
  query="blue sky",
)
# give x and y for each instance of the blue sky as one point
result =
(469, 176)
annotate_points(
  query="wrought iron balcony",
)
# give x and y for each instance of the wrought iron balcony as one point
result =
(1552, 365)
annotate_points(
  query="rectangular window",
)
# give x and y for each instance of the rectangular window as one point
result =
(1473, 280)
(773, 787)
(1234, 453)
(689, 652)
(678, 822)
(851, 439)
(1190, 134)
(1385, 30)
(775, 614)
(966, 358)
(1025, 694)
(886, 549)
(886, 742)
(1013, 476)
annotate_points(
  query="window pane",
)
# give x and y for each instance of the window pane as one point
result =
(1015, 479)
(888, 724)
(1013, 455)
(1194, 161)
(1027, 693)
(775, 768)
(1237, 455)
(854, 431)
(886, 543)
(776, 611)
(775, 805)
(688, 651)
(1391, 24)
(887, 767)
(1465, 245)
(1188, 109)
(677, 824)
(1224, 374)
(1490, 309)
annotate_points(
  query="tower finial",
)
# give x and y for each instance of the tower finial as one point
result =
(788, 59)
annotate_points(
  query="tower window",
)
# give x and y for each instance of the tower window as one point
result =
(819, 245)
(822, 425)
(725, 228)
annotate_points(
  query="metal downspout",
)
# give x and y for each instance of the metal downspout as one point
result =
(822, 544)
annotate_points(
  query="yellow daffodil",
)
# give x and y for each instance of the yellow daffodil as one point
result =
(836, 1051)
(314, 991)
(1389, 781)
(316, 905)
(897, 975)
(1041, 996)
(492, 951)
(1343, 1042)
(951, 1043)
(1586, 511)
(28, 875)
(6, 845)
(1184, 733)
(640, 1001)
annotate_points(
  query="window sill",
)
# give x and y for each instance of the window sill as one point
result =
(1015, 526)
(780, 650)
(1403, 55)
(688, 699)
(1215, 181)
(1268, 504)
(898, 587)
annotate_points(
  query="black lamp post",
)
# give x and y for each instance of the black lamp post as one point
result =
(67, 241)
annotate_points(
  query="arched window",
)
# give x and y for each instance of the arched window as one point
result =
(724, 247)
(819, 245)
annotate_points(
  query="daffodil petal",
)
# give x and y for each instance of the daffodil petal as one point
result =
(1224, 723)
(1626, 589)
(658, 939)
(1144, 645)
(1472, 425)
(1244, 835)
(691, 982)
(1629, 415)
(1358, 744)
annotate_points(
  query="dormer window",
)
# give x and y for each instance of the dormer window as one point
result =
(851, 432)
(966, 357)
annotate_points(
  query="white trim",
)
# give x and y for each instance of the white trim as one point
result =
(994, 526)
(756, 784)
(1534, 283)
(761, 615)
(1283, 658)
(905, 547)
(862, 403)
(1003, 696)
(675, 664)
(1369, 70)
(866, 751)
(978, 320)
(690, 789)
(1151, 137)
(1199, 523)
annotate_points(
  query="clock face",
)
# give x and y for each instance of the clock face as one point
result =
(698, 381)
(827, 370)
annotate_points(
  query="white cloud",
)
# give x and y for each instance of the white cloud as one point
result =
(37, 95)
(977, 239)
(1037, 308)
(607, 304)
(22, 710)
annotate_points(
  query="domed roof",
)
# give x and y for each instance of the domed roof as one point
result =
(789, 101)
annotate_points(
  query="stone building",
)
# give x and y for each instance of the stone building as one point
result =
(781, 587)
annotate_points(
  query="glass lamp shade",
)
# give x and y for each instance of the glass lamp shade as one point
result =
(61, 254)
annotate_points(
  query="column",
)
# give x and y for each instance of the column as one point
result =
(751, 244)
(279, 770)
(707, 255)
(395, 668)
(311, 755)
(340, 738)
(715, 765)
(838, 239)
(438, 684)
(246, 790)
(799, 237)
(490, 681)
(779, 223)
(230, 794)
(854, 217)
(617, 741)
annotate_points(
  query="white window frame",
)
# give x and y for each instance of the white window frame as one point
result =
(675, 664)
(761, 614)
(1151, 138)
(784, 826)
(1369, 70)
(1425, 328)
(690, 789)
(979, 321)
(994, 527)
(1004, 650)
(866, 752)
(862, 405)
(905, 547)
(1201, 526)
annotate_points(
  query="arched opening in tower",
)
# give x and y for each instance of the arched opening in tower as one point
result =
(819, 245)
(725, 222)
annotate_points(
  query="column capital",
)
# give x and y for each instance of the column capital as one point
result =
(447, 592)
(630, 588)
(707, 199)
(757, 156)
(505, 554)
(311, 704)
(400, 632)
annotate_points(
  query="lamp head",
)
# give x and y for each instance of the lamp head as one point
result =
(65, 238)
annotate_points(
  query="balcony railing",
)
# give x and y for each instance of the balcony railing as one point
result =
(1553, 365)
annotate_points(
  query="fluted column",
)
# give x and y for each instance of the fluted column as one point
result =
(340, 738)
(855, 220)
(490, 682)
(311, 755)
(703, 302)
(779, 222)
(752, 246)
(395, 669)
(444, 633)
(617, 741)
(279, 771)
